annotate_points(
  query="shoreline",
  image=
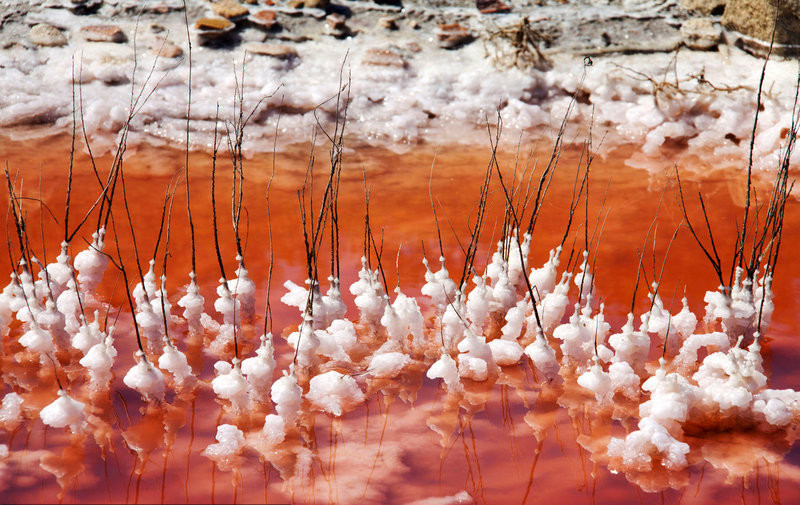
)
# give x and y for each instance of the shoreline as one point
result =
(405, 88)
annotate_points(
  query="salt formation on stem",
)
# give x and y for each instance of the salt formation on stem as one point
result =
(91, 263)
(258, 369)
(146, 379)
(99, 360)
(230, 384)
(225, 453)
(513, 315)
(63, 412)
(193, 305)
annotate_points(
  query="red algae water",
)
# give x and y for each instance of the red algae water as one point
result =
(517, 440)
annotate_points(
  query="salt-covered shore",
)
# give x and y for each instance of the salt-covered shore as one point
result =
(419, 72)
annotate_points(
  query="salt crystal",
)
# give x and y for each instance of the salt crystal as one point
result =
(145, 378)
(230, 442)
(543, 357)
(175, 362)
(99, 361)
(11, 410)
(63, 412)
(506, 352)
(598, 382)
(37, 340)
(388, 365)
(258, 369)
(90, 263)
(230, 384)
(273, 431)
(193, 304)
(287, 396)
(438, 285)
(334, 392)
(445, 368)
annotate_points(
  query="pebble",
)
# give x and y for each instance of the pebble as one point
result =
(165, 48)
(705, 7)
(47, 35)
(413, 47)
(230, 9)
(278, 51)
(82, 6)
(384, 57)
(265, 18)
(701, 34)
(491, 6)
(103, 33)
(208, 25)
(387, 23)
(210, 30)
(335, 25)
(309, 4)
(454, 35)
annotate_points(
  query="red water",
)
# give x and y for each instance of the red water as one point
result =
(518, 442)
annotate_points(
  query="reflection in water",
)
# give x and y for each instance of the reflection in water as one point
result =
(386, 410)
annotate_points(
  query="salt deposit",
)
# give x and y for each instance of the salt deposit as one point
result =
(10, 410)
(496, 330)
(99, 360)
(230, 384)
(649, 99)
(230, 441)
(145, 378)
(63, 412)
(334, 393)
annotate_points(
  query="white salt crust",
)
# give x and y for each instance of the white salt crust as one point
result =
(438, 94)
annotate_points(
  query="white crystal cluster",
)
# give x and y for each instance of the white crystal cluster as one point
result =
(710, 375)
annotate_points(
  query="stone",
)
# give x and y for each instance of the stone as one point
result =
(229, 9)
(309, 4)
(47, 35)
(755, 18)
(701, 34)
(491, 6)
(454, 35)
(387, 23)
(212, 30)
(705, 7)
(278, 51)
(165, 48)
(384, 57)
(413, 46)
(103, 33)
(207, 25)
(335, 24)
(264, 18)
(82, 7)
(160, 9)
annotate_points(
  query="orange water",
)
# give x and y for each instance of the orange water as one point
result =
(387, 450)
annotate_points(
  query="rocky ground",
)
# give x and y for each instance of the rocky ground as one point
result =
(577, 26)
(418, 66)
